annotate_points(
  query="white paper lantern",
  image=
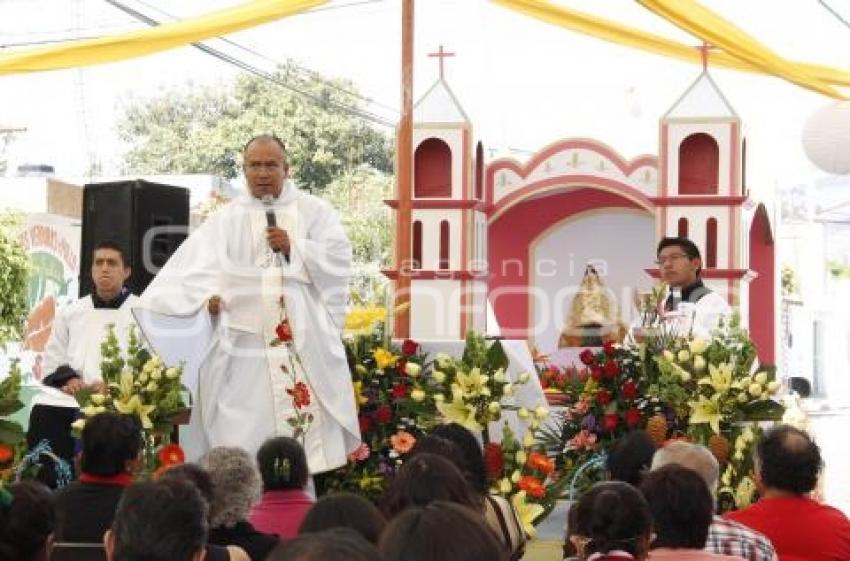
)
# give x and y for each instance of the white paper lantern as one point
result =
(826, 138)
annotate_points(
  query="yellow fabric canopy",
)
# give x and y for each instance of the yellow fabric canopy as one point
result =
(715, 30)
(151, 40)
(636, 38)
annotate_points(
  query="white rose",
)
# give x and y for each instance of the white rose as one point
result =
(172, 373)
(685, 375)
(697, 345)
(439, 398)
(156, 374)
(668, 355)
(439, 376)
(143, 378)
(499, 376)
(699, 363)
(761, 377)
(541, 412)
(528, 439)
(417, 395)
(412, 369)
(494, 407)
(521, 457)
(443, 360)
(516, 476)
(755, 389)
(508, 389)
(742, 397)
(152, 387)
(684, 355)
(523, 378)
(522, 413)
(485, 391)
(773, 386)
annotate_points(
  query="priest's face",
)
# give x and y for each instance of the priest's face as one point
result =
(677, 269)
(265, 168)
(109, 273)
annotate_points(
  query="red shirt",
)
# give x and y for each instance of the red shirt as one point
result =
(281, 512)
(799, 528)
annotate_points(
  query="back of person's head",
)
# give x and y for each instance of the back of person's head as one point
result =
(344, 510)
(423, 479)
(158, 521)
(788, 460)
(336, 544)
(110, 442)
(236, 484)
(191, 473)
(611, 515)
(441, 531)
(473, 455)
(26, 521)
(682, 507)
(692, 456)
(446, 448)
(282, 464)
(630, 457)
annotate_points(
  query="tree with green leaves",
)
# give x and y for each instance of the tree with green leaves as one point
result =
(203, 130)
(14, 272)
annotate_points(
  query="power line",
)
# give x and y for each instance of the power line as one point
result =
(311, 73)
(834, 12)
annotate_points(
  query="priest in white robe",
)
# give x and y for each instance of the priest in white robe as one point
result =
(274, 263)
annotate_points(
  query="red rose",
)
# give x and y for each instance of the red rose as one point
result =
(400, 367)
(632, 417)
(494, 460)
(364, 423)
(610, 422)
(603, 397)
(384, 414)
(596, 373)
(399, 391)
(409, 347)
(284, 331)
(609, 349)
(587, 357)
(300, 395)
(629, 390)
(611, 369)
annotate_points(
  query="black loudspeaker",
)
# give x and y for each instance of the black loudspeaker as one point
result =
(149, 220)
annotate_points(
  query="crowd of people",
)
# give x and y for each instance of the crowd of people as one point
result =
(658, 505)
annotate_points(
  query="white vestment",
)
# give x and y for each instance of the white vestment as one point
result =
(75, 339)
(698, 318)
(242, 395)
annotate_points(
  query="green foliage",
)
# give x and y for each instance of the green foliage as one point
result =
(790, 286)
(11, 433)
(14, 270)
(203, 130)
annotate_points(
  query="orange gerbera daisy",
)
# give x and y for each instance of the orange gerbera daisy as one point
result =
(171, 455)
(402, 441)
(532, 486)
(541, 463)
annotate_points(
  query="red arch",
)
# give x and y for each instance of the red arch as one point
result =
(699, 165)
(445, 244)
(417, 244)
(510, 238)
(432, 165)
(763, 288)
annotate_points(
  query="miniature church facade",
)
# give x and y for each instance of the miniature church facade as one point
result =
(515, 238)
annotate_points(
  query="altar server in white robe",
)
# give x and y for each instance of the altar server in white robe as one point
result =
(688, 302)
(276, 245)
(72, 354)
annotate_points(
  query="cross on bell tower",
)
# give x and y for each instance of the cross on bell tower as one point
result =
(441, 54)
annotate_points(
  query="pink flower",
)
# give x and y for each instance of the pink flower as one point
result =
(361, 453)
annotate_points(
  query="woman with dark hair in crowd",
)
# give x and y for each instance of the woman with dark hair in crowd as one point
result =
(610, 522)
(283, 468)
(440, 531)
(335, 544)
(345, 510)
(498, 511)
(197, 476)
(26, 521)
(423, 479)
(682, 509)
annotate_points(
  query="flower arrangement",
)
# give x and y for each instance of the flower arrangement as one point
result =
(392, 409)
(12, 438)
(474, 390)
(138, 384)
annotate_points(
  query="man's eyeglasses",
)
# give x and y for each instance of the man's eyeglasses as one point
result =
(259, 166)
(673, 257)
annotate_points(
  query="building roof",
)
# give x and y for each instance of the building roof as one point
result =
(703, 99)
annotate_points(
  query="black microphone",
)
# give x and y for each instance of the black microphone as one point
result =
(271, 219)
